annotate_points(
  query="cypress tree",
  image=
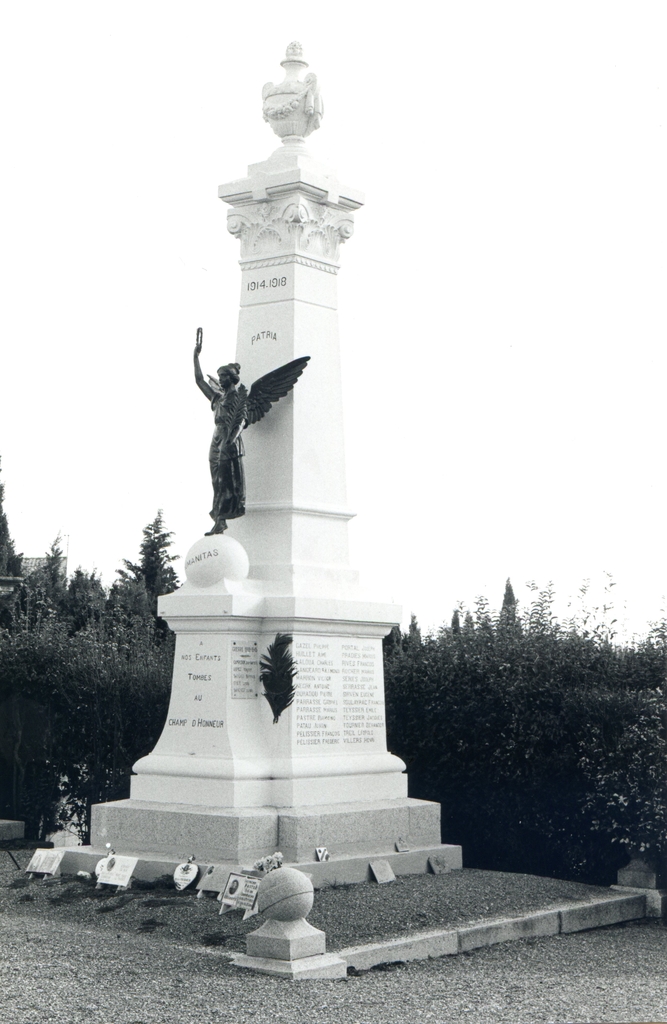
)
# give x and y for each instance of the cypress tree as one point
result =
(10, 562)
(509, 600)
(153, 573)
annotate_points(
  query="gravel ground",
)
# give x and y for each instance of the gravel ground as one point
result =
(349, 914)
(64, 961)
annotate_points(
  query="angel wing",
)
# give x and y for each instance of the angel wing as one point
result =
(272, 386)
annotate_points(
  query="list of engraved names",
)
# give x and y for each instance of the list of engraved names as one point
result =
(339, 702)
(245, 668)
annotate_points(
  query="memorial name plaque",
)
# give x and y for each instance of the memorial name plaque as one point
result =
(438, 864)
(45, 862)
(245, 669)
(339, 705)
(117, 870)
(382, 871)
(214, 879)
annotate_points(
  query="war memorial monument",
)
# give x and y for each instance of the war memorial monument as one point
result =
(275, 736)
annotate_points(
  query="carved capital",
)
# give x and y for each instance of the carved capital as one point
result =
(297, 225)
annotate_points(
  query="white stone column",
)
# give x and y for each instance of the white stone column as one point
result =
(291, 217)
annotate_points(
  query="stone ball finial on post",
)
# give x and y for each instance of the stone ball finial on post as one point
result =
(293, 108)
(286, 944)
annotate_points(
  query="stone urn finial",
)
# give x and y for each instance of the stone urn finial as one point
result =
(293, 108)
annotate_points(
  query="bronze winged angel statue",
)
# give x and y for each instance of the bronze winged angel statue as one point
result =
(234, 409)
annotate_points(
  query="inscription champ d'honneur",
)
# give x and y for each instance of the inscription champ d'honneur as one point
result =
(195, 667)
(339, 697)
(206, 723)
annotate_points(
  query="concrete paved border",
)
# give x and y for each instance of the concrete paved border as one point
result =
(564, 919)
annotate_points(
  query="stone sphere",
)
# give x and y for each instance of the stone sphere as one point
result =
(285, 895)
(213, 559)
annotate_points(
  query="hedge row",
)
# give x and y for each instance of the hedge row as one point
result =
(545, 743)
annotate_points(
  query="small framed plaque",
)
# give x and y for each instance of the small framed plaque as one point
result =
(213, 879)
(240, 893)
(117, 871)
(45, 862)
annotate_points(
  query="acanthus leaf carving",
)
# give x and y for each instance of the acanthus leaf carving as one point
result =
(268, 228)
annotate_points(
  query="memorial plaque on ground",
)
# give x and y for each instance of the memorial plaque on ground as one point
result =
(185, 874)
(117, 870)
(45, 862)
(382, 871)
(438, 864)
(240, 893)
(214, 879)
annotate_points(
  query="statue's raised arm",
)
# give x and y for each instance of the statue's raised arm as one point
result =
(234, 409)
(199, 376)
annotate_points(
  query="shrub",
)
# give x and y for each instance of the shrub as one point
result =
(84, 686)
(77, 712)
(544, 742)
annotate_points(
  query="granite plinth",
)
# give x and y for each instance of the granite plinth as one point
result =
(245, 834)
(11, 829)
(642, 874)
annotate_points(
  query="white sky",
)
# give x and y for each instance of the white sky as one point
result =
(502, 303)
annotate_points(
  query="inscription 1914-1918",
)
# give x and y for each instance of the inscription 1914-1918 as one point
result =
(269, 282)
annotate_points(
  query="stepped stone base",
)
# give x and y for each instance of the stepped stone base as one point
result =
(338, 870)
(326, 965)
(219, 834)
